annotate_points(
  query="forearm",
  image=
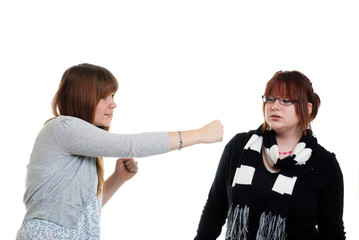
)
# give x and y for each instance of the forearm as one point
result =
(112, 184)
(212, 132)
(188, 138)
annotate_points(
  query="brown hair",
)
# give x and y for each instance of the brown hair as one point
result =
(294, 85)
(81, 88)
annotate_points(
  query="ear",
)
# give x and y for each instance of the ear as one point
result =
(310, 108)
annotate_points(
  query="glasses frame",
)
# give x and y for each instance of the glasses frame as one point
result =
(280, 100)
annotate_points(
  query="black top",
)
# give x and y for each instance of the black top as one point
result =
(315, 211)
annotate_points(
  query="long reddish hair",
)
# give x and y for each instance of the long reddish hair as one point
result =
(81, 89)
(294, 85)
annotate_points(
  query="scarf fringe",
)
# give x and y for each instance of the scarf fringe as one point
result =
(271, 227)
(237, 223)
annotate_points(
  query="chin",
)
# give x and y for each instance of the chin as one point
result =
(276, 127)
(103, 125)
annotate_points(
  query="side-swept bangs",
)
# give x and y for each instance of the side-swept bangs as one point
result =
(106, 83)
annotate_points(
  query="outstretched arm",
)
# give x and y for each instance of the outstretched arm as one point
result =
(89, 140)
(126, 168)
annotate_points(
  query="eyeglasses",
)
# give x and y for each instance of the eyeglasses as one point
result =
(282, 101)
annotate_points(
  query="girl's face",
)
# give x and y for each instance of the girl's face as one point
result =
(104, 111)
(281, 118)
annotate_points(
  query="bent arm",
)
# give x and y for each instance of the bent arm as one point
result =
(112, 184)
(125, 169)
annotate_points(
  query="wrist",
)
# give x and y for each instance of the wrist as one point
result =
(194, 137)
(117, 179)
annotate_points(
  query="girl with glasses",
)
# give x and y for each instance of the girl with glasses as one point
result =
(277, 182)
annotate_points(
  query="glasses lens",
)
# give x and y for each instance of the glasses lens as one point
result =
(285, 101)
(270, 99)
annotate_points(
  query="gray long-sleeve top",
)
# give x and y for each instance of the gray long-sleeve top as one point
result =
(61, 174)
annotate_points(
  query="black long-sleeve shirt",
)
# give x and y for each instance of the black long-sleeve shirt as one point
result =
(315, 211)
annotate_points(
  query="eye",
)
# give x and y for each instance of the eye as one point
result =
(286, 100)
(270, 99)
(112, 96)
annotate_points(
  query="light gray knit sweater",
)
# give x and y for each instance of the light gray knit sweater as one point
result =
(61, 175)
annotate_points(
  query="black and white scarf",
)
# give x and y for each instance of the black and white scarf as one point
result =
(273, 219)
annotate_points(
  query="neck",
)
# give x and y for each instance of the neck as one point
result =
(288, 140)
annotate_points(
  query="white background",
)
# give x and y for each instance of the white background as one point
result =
(180, 64)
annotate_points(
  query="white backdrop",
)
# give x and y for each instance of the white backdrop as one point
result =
(180, 64)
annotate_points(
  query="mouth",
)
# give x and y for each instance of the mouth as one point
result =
(109, 115)
(275, 116)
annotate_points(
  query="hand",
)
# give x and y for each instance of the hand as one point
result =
(212, 132)
(126, 168)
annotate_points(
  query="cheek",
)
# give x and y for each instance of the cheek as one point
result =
(100, 108)
(293, 113)
(97, 111)
(266, 110)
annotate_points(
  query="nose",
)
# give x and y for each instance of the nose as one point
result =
(113, 105)
(276, 104)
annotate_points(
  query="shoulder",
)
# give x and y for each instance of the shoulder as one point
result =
(327, 160)
(235, 146)
(66, 122)
(67, 127)
(323, 155)
(232, 153)
(240, 139)
(63, 119)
